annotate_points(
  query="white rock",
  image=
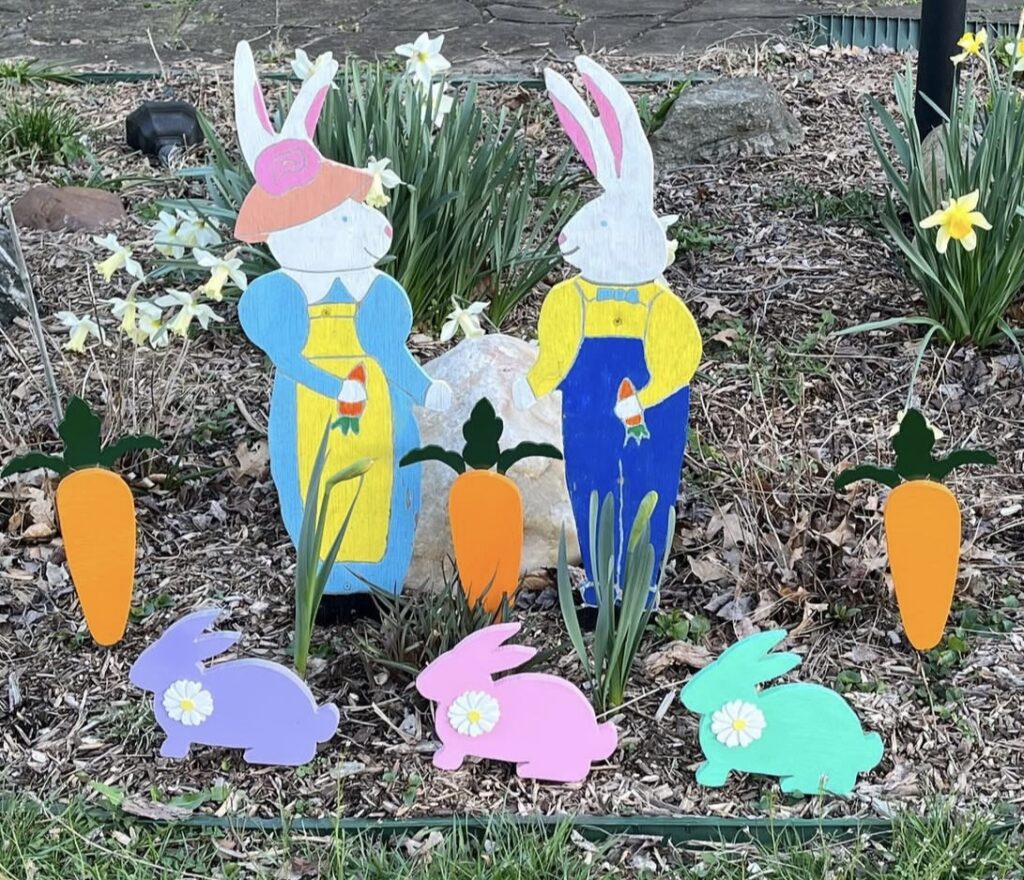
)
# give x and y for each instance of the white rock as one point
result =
(488, 367)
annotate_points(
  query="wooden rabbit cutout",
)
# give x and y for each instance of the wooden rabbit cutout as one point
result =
(805, 734)
(335, 328)
(614, 339)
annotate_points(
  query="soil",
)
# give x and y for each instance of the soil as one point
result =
(779, 256)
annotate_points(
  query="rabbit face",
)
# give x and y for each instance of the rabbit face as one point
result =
(706, 691)
(615, 240)
(350, 236)
(155, 668)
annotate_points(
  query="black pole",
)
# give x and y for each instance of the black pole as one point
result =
(942, 24)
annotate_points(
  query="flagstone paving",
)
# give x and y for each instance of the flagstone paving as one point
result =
(479, 34)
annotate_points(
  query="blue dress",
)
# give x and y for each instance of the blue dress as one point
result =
(314, 347)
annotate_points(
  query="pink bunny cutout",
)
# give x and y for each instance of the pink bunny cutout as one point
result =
(542, 723)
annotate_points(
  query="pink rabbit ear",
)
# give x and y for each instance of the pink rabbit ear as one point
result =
(486, 640)
(314, 111)
(260, 105)
(577, 134)
(609, 121)
(509, 657)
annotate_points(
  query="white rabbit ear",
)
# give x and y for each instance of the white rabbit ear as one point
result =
(309, 102)
(252, 122)
(630, 151)
(581, 126)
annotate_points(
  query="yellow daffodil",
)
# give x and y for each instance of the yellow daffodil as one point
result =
(167, 235)
(425, 58)
(957, 221)
(195, 231)
(132, 313)
(971, 43)
(383, 178)
(465, 319)
(79, 330)
(189, 310)
(304, 68)
(120, 258)
(222, 269)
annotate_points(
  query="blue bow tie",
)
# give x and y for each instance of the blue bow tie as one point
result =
(627, 294)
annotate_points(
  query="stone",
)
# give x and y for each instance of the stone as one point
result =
(730, 117)
(487, 367)
(74, 208)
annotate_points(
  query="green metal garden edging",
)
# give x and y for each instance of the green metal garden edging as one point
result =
(668, 77)
(679, 830)
(871, 31)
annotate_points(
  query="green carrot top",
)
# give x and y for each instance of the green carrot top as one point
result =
(482, 430)
(913, 443)
(83, 447)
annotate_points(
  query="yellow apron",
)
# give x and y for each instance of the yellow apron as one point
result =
(332, 329)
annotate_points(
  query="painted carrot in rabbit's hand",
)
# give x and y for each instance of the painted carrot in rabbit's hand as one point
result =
(922, 525)
(96, 513)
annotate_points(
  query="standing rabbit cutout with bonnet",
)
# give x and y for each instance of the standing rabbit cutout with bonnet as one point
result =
(335, 328)
(614, 339)
(804, 733)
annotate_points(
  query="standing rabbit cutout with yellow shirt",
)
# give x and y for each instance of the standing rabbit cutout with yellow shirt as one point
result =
(614, 339)
(335, 327)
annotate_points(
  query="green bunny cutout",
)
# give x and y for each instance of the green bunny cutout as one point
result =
(803, 733)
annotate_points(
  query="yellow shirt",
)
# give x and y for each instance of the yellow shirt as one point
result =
(577, 309)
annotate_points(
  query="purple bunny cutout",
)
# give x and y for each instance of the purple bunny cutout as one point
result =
(542, 723)
(255, 705)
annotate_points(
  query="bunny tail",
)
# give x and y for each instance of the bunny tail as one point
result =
(325, 722)
(873, 749)
(608, 735)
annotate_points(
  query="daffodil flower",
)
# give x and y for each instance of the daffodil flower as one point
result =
(166, 235)
(971, 43)
(304, 68)
(465, 319)
(151, 329)
(425, 58)
(383, 178)
(1015, 49)
(79, 330)
(438, 100)
(131, 313)
(195, 231)
(957, 221)
(190, 310)
(120, 258)
(221, 270)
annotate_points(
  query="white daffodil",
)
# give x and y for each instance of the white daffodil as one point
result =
(304, 68)
(120, 258)
(474, 713)
(738, 724)
(221, 270)
(167, 235)
(79, 330)
(425, 58)
(465, 319)
(190, 309)
(437, 100)
(195, 231)
(672, 244)
(132, 313)
(152, 329)
(188, 702)
(383, 178)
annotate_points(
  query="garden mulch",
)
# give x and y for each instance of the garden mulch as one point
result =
(777, 259)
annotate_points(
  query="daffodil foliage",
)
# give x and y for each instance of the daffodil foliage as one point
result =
(963, 197)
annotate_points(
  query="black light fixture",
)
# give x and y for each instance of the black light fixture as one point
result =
(942, 24)
(162, 129)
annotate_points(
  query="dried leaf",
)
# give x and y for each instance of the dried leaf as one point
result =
(677, 654)
(707, 569)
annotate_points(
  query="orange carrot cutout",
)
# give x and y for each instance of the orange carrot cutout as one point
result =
(96, 512)
(484, 506)
(922, 526)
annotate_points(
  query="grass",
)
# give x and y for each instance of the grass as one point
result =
(91, 845)
(40, 129)
(853, 207)
(28, 72)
